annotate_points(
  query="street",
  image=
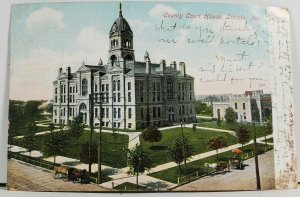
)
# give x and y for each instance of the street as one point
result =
(25, 177)
(237, 179)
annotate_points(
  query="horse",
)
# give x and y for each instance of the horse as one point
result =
(60, 172)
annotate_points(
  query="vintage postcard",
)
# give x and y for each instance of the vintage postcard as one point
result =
(150, 96)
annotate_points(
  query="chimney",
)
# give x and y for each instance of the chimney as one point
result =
(59, 71)
(173, 65)
(147, 60)
(182, 68)
(162, 64)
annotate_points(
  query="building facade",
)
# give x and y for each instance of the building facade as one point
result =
(124, 93)
(252, 106)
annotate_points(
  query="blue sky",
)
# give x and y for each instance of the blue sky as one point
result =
(47, 36)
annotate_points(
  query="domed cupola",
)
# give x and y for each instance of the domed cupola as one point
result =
(120, 25)
(121, 41)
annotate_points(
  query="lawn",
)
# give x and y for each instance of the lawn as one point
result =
(159, 152)
(260, 129)
(172, 174)
(113, 146)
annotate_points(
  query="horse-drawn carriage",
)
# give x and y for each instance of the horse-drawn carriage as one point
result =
(220, 167)
(71, 174)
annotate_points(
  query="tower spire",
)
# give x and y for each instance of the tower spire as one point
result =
(120, 10)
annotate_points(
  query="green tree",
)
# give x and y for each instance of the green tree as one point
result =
(11, 136)
(29, 140)
(230, 117)
(76, 128)
(243, 134)
(84, 154)
(55, 143)
(180, 151)
(217, 143)
(138, 162)
(32, 111)
(203, 108)
(152, 134)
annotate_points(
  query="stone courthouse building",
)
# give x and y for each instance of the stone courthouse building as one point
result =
(133, 94)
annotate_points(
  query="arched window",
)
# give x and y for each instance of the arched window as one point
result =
(113, 60)
(84, 87)
(128, 58)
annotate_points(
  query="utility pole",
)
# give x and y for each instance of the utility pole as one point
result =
(100, 132)
(183, 149)
(256, 159)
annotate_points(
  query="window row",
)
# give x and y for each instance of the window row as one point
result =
(236, 106)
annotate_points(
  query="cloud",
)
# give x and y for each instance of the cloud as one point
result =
(45, 16)
(92, 40)
(159, 9)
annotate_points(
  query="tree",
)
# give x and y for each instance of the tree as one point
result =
(243, 134)
(138, 162)
(11, 136)
(32, 111)
(217, 143)
(84, 154)
(76, 128)
(152, 134)
(54, 144)
(29, 140)
(203, 108)
(230, 116)
(181, 151)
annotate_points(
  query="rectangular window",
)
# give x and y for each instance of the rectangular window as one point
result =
(129, 85)
(96, 87)
(119, 112)
(158, 86)
(129, 125)
(142, 97)
(154, 112)
(102, 112)
(119, 97)
(153, 96)
(244, 106)
(70, 111)
(106, 87)
(129, 113)
(55, 99)
(107, 97)
(158, 112)
(235, 105)
(106, 124)
(96, 112)
(55, 90)
(129, 96)
(70, 98)
(141, 86)
(119, 124)
(114, 97)
(107, 112)
(115, 124)
(103, 87)
(115, 113)
(153, 86)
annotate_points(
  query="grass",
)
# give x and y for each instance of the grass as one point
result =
(113, 146)
(172, 174)
(127, 186)
(260, 130)
(159, 152)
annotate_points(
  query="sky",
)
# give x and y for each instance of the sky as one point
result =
(46, 36)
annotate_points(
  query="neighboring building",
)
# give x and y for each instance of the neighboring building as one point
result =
(134, 94)
(250, 106)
